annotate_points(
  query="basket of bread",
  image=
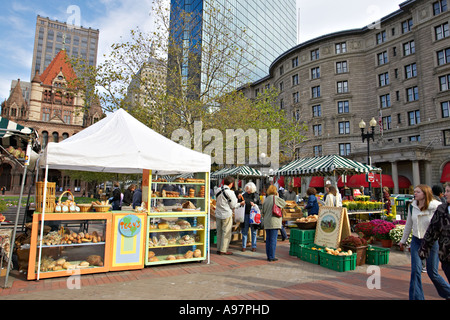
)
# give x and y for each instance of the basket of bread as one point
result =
(307, 223)
(101, 206)
(67, 206)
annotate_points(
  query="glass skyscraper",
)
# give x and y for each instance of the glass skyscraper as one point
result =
(270, 26)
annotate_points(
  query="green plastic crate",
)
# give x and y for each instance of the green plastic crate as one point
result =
(295, 248)
(302, 236)
(337, 263)
(377, 256)
(213, 236)
(308, 254)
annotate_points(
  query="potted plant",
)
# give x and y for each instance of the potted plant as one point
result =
(381, 231)
(358, 245)
(396, 234)
(365, 230)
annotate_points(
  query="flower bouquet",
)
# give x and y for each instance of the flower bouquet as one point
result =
(396, 234)
(354, 241)
(365, 229)
(381, 229)
(358, 245)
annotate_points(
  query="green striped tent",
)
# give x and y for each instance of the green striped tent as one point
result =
(241, 172)
(8, 128)
(324, 166)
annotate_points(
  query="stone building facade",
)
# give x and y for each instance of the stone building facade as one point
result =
(396, 71)
(56, 110)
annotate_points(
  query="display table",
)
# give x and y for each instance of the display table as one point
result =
(76, 252)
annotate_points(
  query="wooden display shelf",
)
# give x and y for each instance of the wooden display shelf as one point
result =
(177, 245)
(162, 260)
(173, 230)
(34, 245)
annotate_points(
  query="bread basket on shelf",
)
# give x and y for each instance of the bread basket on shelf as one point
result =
(101, 206)
(67, 206)
(85, 207)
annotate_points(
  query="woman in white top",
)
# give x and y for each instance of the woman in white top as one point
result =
(333, 198)
(419, 216)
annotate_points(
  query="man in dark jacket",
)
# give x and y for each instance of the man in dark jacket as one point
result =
(439, 229)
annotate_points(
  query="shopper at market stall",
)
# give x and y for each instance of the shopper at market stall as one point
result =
(271, 223)
(420, 213)
(312, 205)
(333, 198)
(128, 195)
(137, 197)
(226, 201)
(438, 193)
(439, 230)
(290, 195)
(116, 196)
(251, 198)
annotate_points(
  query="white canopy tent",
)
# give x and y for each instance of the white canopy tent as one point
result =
(120, 143)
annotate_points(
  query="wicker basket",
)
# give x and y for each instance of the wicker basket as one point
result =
(306, 225)
(85, 207)
(101, 208)
(50, 202)
(60, 200)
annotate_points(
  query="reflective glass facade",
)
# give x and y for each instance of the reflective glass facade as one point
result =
(270, 25)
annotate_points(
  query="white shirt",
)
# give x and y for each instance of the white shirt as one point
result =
(419, 221)
(224, 209)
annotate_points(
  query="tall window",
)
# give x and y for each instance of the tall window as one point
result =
(385, 101)
(317, 151)
(409, 48)
(407, 25)
(382, 58)
(315, 54)
(414, 117)
(381, 37)
(412, 94)
(444, 82)
(383, 79)
(341, 67)
(439, 7)
(315, 73)
(317, 111)
(296, 97)
(315, 92)
(281, 86)
(317, 129)
(295, 79)
(342, 86)
(411, 71)
(344, 127)
(343, 106)
(341, 47)
(442, 31)
(445, 109)
(295, 62)
(344, 149)
(387, 123)
(443, 56)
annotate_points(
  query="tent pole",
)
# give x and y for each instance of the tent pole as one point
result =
(44, 202)
(13, 238)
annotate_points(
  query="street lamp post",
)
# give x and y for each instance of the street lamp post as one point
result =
(367, 136)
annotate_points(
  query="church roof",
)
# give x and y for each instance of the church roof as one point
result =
(59, 64)
(16, 96)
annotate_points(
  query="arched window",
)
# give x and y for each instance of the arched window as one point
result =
(55, 136)
(44, 139)
(65, 135)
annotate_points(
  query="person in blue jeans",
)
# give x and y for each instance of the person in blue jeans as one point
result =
(251, 198)
(420, 214)
(271, 223)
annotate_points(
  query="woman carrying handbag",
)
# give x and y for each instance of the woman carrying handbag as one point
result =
(272, 221)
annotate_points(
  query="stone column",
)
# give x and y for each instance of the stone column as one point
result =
(394, 169)
(428, 173)
(416, 173)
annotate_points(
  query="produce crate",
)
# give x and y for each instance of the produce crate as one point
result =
(213, 236)
(302, 236)
(337, 263)
(295, 248)
(310, 253)
(377, 256)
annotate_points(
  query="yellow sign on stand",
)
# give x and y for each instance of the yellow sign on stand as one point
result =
(333, 225)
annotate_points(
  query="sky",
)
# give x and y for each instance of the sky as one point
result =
(115, 18)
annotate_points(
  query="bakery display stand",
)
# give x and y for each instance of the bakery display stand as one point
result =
(178, 220)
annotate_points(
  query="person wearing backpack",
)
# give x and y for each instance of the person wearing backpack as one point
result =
(420, 214)
(226, 202)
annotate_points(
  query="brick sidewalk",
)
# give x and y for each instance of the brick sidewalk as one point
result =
(228, 273)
